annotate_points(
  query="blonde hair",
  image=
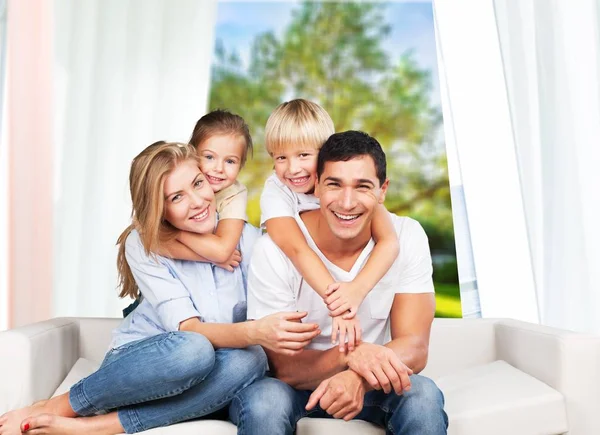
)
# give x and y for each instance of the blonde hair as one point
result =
(222, 122)
(297, 124)
(147, 176)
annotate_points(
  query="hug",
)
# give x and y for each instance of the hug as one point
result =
(326, 315)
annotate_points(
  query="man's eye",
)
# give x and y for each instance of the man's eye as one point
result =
(363, 187)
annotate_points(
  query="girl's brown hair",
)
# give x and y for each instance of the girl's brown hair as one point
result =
(222, 122)
(146, 183)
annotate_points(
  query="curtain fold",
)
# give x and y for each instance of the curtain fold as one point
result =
(128, 73)
(551, 58)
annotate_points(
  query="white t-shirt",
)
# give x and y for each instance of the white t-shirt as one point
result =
(275, 285)
(278, 200)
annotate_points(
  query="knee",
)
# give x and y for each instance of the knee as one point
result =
(253, 361)
(192, 355)
(424, 395)
(268, 402)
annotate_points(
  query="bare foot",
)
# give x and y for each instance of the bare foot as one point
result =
(49, 424)
(10, 423)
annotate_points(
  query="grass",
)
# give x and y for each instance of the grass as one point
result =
(447, 298)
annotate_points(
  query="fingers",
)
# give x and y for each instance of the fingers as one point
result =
(383, 380)
(371, 380)
(294, 345)
(358, 331)
(299, 336)
(332, 288)
(300, 327)
(338, 308)
(351, 337)
(316, 395)
(403, 372)
(353, 414)
(342, 343)
(294, 315)
(332, 298)
(394, 378)
(334, 331)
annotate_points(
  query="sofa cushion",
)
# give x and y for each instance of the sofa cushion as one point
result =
(498, 399)
(82, 368)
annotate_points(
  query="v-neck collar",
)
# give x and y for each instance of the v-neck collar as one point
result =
(330, 265)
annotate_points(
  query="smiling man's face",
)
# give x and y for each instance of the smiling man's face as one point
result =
(349, 192)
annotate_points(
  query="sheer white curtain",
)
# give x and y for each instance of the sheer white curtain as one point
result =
(3, 176)
(128, 73)
(551, 53)
(476, 111)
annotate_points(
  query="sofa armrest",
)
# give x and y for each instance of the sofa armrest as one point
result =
(569, 362)
(34, 359)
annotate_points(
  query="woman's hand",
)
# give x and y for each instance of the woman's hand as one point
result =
(283, 332)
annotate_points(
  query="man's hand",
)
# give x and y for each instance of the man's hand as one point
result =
(233, 261)
(341, 395)
(347, 329)
(380, 367)
(344, 298)
(283, 332)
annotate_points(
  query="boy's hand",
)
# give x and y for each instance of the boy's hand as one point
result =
(347, 329)
(233, 261)
(344, 298)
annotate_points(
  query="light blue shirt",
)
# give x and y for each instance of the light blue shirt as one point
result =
(175, 290)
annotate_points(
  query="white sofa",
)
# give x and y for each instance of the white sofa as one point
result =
(498, 376)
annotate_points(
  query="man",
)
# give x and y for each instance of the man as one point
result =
(377, 381)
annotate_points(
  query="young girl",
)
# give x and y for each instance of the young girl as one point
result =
(179, 355)
(223, 142)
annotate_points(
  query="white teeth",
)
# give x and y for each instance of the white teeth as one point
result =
(200, 216)
(298, 180)
(346, 217)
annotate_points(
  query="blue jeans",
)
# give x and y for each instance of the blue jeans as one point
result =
(272, 407)
(166, 379)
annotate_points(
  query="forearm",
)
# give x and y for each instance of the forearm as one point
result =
(383, 256)
(234, 335)
(177, 250)
(411, 350)
(308, 369)
(312, 269)
(209, 246)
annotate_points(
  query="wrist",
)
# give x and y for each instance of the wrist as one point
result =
(251, 332)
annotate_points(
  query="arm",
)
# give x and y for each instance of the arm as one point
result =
(308, 369)
(348, 296)
(286, 234)
(410, 319)
(175, 249)
(218, 247)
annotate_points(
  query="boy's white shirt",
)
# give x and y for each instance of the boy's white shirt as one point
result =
(275, 285)
(278, 200)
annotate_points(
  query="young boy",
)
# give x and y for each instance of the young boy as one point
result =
(294, 133)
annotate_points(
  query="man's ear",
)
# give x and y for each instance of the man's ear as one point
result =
(383, 190)
(317, 187)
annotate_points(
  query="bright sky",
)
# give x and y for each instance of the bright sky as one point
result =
(412, 28)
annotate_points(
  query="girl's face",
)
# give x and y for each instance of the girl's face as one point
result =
(189, 200)
(297, 169)
(221, 159)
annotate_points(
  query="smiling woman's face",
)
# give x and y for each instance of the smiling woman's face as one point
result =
(189, 199)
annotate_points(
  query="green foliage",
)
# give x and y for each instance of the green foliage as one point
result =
(333, 53)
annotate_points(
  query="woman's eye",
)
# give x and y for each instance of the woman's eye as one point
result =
(176, 198)
(207, 157)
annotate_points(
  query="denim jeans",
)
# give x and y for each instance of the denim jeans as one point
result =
(271, 407)
(166, 379)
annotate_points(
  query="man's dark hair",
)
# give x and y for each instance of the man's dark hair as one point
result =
(341, 147)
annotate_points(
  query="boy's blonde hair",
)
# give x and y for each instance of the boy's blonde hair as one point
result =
(297, 124)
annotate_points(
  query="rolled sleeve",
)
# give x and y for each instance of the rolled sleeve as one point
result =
(166, 294)
(232, 205)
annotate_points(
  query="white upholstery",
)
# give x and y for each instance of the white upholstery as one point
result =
(498, 376)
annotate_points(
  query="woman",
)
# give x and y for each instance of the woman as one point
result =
(179, 355)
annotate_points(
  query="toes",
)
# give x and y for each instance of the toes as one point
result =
(36, 422)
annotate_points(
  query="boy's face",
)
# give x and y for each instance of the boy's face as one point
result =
(221, 159)
(297, 169)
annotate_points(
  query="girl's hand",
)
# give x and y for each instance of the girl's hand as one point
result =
(344, 298)
(348, 328)
(233, 261)
(283, 332)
